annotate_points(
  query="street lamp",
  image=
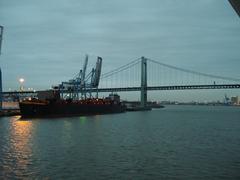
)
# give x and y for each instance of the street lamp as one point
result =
(21, 80)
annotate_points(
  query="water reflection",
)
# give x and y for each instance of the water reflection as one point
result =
(18, 157)
(82, 119)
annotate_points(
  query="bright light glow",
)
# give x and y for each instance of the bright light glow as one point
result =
(21, 80)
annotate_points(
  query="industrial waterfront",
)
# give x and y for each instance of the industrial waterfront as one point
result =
(176, 142)
(119, 89)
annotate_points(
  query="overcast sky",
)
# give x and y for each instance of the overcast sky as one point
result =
(45, 41)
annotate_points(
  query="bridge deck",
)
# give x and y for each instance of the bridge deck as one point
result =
(184, 87)
(149, 88)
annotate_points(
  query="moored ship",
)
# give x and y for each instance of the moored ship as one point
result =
(73, 97)
(56, 107)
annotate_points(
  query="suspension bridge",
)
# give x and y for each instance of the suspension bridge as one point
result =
(144, 74)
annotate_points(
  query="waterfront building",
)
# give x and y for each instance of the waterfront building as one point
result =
(235, 100)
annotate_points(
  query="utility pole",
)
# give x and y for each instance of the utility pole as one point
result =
(1, 35)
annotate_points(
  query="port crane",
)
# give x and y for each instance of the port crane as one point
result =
(227, 100)
(82, 84)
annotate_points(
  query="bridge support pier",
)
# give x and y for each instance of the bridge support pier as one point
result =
(143, 82)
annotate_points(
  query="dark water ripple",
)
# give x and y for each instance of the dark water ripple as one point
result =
(178, 142)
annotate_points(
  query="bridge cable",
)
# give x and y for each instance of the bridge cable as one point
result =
(194, 72)
(122, 68)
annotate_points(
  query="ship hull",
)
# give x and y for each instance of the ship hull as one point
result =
(63, 109)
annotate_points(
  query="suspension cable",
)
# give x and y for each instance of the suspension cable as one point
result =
(194, 72)
(122, 68)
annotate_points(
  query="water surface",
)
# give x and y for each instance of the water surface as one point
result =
(177, 142)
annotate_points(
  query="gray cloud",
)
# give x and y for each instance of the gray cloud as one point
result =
(45, 41)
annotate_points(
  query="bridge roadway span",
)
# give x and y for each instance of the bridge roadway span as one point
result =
(185, 87)
(149, 88)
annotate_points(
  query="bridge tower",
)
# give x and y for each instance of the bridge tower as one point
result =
(143, 82)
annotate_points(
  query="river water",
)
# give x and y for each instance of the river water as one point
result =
(176, 142)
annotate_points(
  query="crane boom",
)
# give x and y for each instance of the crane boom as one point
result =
(84, 71)
(97, 73)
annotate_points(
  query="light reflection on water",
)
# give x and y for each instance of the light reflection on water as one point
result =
(17, 156)
(82, 119)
